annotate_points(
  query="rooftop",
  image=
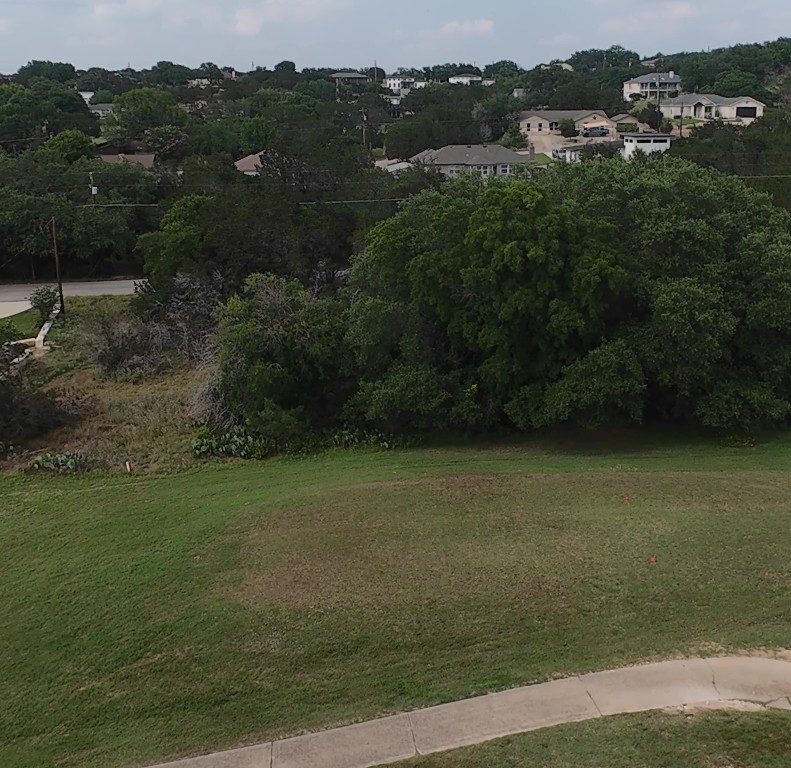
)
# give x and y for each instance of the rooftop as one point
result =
(144, 159)
(664, 77)
(556, 115)
(471, 154)
(689, 99)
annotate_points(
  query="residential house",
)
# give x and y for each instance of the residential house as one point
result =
(101, 110)
(465, 80)
(654, 87)
(397, 166)
(349, 78)
(518, 93)
(626, 119)
(229, 73)
(146, 160)
(86, 96)
(647, 143)
(572, 153)
(548, 121)
(628, 146)
(199, 82)
(709, 106)
(488, 160)
(398, 83)
(421, 84)
(564, 65)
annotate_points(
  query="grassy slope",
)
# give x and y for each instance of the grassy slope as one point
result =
(145, 421)
(657, 740)
(148, 617)
(27, 323)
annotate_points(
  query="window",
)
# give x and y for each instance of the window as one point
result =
(540, 126)
(746, 112)
(527, 126)
(505, 168)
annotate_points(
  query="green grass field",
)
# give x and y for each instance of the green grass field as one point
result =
(27, 323)
(656, 740)
(148, 617)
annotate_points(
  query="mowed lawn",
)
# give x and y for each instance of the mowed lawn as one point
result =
(27, 323)
(655, 740)
(150, 617)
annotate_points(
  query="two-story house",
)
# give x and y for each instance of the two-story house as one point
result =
(398, 83)
(657, 86)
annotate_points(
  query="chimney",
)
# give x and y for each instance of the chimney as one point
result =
(672, 74)
(531, 152)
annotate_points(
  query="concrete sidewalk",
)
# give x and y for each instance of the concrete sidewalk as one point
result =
(11, 308)
(473, 721)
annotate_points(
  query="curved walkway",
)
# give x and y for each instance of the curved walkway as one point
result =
(472, 721)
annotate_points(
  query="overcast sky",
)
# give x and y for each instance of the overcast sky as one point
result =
(354, 33)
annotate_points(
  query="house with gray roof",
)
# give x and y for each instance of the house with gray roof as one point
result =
(101, 110)
(488, 160)
(544, 121)
(710, 106)
(654, 87)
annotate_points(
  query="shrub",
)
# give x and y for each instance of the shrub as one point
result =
(8, 332)
(123, 345)
(7, 451)
(43, 300)
(26, 412)
(60, 463)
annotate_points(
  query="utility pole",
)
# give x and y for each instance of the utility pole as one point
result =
(57, 265)
(364, 113)
(94, 190)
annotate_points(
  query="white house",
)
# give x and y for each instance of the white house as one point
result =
(465, 80)
(420, 84)
(488, 160)
(398, 83)
(86, 96)
(709, 106)
(542, 121)
(653, 87)
(629, 145)
(199, 82)
(647, 143)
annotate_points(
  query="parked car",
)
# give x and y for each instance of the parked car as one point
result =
(596, 131)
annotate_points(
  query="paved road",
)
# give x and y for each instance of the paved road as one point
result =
(20, 291)
(713, 682)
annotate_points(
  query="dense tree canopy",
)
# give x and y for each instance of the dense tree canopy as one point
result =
(599, 292)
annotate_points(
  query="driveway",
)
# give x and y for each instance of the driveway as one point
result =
(13, 298)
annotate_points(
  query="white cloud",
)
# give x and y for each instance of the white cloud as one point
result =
(118, 10)
(662, 15)
(250, 20)
(563, 38)
(170, 12)
(469, 28)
